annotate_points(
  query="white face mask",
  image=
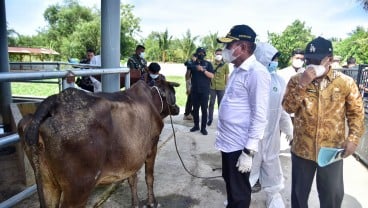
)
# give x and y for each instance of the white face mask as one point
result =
(154, 76)
(218, 57)
(227, 54)
(141, 55)
(297, 63)
(319, 69)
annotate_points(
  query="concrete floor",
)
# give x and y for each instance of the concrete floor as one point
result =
(175, 188)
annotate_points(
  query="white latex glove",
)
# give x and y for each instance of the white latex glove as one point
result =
(244, 163)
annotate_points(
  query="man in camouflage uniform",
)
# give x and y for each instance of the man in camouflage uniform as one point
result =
(137, 64)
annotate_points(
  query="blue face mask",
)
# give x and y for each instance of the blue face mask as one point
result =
(273, 66)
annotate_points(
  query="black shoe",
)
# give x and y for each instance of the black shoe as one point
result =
(204, 131)
(257, 187)
(209, 122)
(196, 128)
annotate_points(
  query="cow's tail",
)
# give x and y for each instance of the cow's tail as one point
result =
(43, 111)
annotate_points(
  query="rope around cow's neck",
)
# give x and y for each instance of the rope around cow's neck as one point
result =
(159, 94)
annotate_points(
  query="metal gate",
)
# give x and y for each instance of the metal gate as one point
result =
(361, 78)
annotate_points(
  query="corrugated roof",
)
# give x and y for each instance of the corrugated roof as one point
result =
(33, 51)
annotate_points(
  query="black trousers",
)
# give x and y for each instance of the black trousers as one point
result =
(213, 94)
(237, 184)
(329, 179)
(200, 100)
(188, 105)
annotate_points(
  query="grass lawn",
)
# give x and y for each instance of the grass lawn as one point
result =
(44, 90)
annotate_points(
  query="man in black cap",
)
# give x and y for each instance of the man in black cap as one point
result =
(323, 101)
(242, 114)
(202, 73)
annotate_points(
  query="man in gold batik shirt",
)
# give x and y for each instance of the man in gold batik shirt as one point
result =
(324, 101)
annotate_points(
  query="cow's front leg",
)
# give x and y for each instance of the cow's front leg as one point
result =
(149, 167)
(133, 180)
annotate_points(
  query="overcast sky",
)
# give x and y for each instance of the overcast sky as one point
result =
(327, 18)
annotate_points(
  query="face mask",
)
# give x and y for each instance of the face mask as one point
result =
(218, 57)
(227, 54)
(201, 56)
(154, 76)
(297, 63)
(273, 66)
(141, 55)
(319, 69)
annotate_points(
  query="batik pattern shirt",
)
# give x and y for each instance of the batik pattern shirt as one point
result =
(322, 112)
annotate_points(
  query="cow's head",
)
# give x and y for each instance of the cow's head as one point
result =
(167, 93)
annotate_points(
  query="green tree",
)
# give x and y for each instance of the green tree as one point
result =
(152, 50)
(129, 28)
(355, 45)
(164, 40)
(63, 20)
(72, 29)
(296, 35)
(86, 36)
(187, 45)
(210, 43)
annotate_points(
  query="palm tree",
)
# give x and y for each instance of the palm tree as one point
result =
(211, 44)
(187, 45)
(164, 41)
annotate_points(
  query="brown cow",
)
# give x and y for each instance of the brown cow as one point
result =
(77, 140)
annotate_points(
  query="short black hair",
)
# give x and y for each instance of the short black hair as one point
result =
(154, 67)
(297, 51)
(351, 60)
(276, 56)
(90, 50)
(217, 50)
(140, 47)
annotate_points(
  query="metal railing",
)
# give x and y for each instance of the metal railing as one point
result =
(29, 191)
(360, 75)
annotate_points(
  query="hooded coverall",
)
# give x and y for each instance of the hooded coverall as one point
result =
(266, 163)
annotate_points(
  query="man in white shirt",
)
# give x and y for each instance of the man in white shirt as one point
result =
(242, 114)
(297, 62)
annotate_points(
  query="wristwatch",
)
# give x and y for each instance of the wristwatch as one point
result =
(249, 152)
(204, 70)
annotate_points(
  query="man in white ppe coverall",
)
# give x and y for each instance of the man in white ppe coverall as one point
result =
(266, 163)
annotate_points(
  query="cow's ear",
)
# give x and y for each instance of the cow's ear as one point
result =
(174, 84)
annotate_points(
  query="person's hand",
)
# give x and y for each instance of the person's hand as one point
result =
(244, 163)
(94, 80)
(307, 77)
(200, 68)
(349, 148)
(289, 138)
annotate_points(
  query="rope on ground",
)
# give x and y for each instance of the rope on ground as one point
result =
(181, 160)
